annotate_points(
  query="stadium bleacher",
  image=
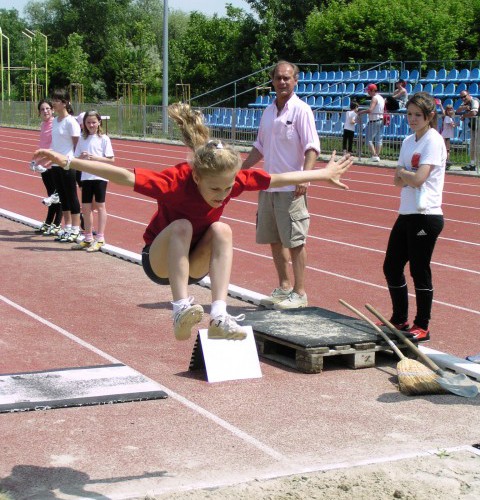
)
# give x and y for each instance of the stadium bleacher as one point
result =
(329, 94)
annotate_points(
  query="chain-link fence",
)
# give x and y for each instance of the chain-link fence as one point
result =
(239, 126)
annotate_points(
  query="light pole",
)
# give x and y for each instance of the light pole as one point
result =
(46, 60)
(165, 68)
(31, 63)
(2, 36)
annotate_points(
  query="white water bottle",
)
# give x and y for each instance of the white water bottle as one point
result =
(421, 198)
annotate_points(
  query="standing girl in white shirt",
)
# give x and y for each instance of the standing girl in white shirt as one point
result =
(93, 145)
(421, 164)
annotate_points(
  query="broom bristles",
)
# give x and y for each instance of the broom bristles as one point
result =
(416, 378)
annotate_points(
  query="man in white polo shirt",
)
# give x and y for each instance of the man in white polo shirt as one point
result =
(287, 141)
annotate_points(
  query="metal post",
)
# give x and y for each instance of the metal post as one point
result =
(165, 69)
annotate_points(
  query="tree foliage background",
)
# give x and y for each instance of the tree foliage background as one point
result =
(103, 44)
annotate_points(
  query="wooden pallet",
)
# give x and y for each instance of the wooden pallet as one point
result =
(311, 359)
(303, 338)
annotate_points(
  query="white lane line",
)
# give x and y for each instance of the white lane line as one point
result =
(238, 433)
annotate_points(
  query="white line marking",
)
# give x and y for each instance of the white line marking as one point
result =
(184, 401)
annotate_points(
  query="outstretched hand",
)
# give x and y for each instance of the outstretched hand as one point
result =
(338, 168)
(50, 155)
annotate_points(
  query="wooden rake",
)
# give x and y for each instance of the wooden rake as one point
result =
(414, 378)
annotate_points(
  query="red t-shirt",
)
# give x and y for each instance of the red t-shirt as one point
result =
(178, 197)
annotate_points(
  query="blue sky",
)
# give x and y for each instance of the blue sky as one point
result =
(209, 7)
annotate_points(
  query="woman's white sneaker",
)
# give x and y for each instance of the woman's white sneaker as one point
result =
(185, 319)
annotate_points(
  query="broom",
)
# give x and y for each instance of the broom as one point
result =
(414, 378)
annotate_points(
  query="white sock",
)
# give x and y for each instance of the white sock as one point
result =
(179, 304)
(219, 308)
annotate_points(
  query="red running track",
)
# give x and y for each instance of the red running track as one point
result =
(65, 309)
(348, 236)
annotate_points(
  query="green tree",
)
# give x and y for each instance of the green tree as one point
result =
(70, 63)
(414, 30)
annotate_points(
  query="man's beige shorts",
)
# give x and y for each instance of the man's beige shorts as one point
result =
(282, 218)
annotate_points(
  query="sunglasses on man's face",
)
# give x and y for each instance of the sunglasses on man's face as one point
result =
(463, 97)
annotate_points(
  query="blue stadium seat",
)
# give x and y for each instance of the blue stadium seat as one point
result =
(457, 104)
(418, 88)
(323, 76)
(360, 89)
(438, 90)
(393, 75)
(363, 77)
(346, 102)
(452, 75)
(408, 88)
(309, 88)
(474, 75)
(301, 76)
(308, 76)
(327, 101)
(382, 75)
(317, 88)
(258, 101)
(311, 100)
(326, 127)
(449, 90)
(372, 75)
(325, 87)
(319, 101)
(347, 75)
(441, 75)
(414, 75)
(405, 74)
(431, 76)
(338, 76)
(428, 87)
(464, 75)
(332, 88)
(341, 88)
(461, 87)
(330, 76)
(355, 76)
(337, 128)
(316, 77)
(403, 130)
(336, 103)
(447, 101)
(301, 88)
(350, 88)
(473, 89)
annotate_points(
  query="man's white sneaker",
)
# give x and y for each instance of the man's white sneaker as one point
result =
(277, 295)
(375, 158)
(226, 327)
(185, 319)
(293, 301)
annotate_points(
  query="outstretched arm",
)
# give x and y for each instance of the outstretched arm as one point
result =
(331, 173)
(115, 174)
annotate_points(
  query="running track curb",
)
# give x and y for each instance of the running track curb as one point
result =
(444, 360)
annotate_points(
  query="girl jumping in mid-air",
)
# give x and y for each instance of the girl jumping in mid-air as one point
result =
(185, 239)
(93, 145)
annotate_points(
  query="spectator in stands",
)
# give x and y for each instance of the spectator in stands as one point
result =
(420, 171)
(469, 109)
(186, 238)
(448, 129)
(288, 141)
(374, 134)
(349, 128)
(398, 100)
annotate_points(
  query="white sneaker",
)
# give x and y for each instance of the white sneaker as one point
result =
(226, 327)
(185, 319)
(293, 301)
(277, 295)
(51, 200)
(375, 158)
